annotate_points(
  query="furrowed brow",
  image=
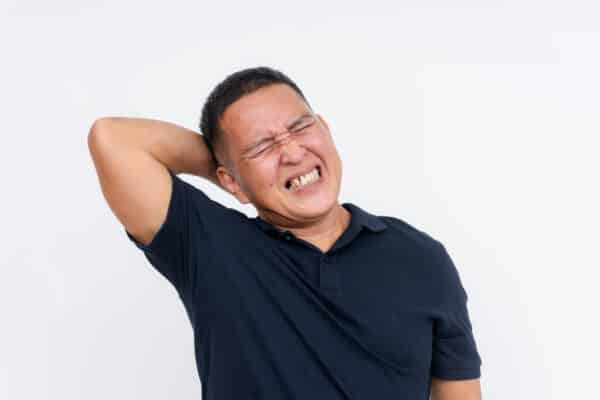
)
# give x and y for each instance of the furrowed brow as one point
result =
(294, 124)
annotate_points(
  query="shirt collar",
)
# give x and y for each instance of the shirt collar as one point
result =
(359, 218)
(364, 218)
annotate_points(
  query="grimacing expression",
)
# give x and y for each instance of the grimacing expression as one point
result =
(270, 137)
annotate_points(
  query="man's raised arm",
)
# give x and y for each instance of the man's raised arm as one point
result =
(132, 157)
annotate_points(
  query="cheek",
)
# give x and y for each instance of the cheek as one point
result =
(326, 149)
(321, 145)
(265, 176)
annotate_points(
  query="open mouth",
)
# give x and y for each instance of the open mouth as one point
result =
(313, 176)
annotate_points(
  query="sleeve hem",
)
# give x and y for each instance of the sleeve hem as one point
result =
(456, 373)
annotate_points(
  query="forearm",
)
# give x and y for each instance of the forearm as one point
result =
(179, 149)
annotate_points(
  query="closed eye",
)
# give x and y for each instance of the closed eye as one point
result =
(304, 127)
(268, 145)
(264, 148)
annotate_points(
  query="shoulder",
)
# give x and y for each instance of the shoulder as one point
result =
(201, 205)
(428, 254)
(409, 241)
(410, 233)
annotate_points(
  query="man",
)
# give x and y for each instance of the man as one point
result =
(311, 299)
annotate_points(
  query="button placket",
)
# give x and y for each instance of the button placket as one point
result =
(329, 275)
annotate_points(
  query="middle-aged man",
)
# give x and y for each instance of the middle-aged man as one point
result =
(311, 299)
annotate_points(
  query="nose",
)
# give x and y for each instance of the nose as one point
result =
(291, 151)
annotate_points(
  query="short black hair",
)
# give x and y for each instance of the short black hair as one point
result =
(231, 89)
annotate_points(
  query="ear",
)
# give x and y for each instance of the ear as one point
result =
(230, 184)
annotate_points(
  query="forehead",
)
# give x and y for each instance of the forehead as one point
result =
(263, 112)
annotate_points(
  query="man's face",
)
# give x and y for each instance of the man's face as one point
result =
(263, 154)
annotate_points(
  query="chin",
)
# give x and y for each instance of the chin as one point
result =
(312, 207)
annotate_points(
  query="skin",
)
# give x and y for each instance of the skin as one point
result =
(317, 218)
(463, 389)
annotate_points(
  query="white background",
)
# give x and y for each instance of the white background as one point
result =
(475, 121)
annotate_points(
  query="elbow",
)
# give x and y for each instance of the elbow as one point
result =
(99, 131)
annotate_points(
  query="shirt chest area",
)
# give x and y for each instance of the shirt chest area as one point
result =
(390, 306)
(375, 298)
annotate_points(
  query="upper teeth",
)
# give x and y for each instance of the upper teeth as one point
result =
(305, 179)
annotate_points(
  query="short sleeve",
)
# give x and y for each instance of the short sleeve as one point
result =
(455, 354)
(170, 250)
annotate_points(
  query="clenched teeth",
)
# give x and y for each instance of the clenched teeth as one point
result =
(304, 179)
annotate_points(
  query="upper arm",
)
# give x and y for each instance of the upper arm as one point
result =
(464, 389)
(163, 215)
(152, 204)
(136, 186)
(455, 354)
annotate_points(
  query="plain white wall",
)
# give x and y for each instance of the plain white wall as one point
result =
(475, 121)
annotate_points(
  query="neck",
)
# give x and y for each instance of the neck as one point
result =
(324, 232)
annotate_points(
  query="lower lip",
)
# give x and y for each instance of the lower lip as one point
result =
(311, 187)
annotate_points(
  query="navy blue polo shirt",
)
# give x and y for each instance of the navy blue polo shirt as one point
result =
(274, 317)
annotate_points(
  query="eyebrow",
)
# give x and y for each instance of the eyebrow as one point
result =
(289, 127)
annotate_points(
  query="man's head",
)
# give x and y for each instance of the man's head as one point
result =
(261, 132)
